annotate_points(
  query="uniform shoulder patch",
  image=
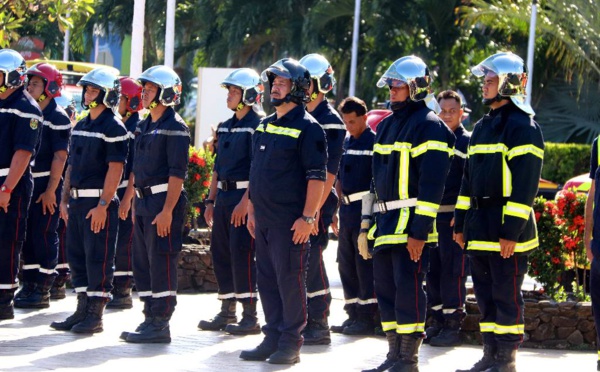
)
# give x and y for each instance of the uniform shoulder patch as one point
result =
(34, 123)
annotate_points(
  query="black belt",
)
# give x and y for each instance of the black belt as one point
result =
(230, 185)
(478, 202)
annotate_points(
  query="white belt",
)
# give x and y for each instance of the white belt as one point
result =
(40, 174)
(238, 185)
(347, 199)
(446, 208)
(85, 193)
(384, 206)
(151, 190)
(4, 172)
(123, 184)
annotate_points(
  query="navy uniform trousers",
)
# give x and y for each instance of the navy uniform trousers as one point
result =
(399, 288)
(448, 270)
(124, 254)
(497, 283)
(12, 233)
(281, 274)
(91, 256)
(233, 254)
(595, 294)
(317, 282)
(62, 265)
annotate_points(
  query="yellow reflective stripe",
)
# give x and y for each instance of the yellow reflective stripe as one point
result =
(402, 220)
(430, 145)
(487, 327)
(404, 329)
(506, 179)
(478, 245)
(488, 149)
(463, 203)
(427, 209)
(403, 172)
(284, 131)
(402, 239)
(388, 326)
(260, 128)
(383, 149)
(526, 149)
(598, 354)
(371, 233)
(517, 210)
(517, 329)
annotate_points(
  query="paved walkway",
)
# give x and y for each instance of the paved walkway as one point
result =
(27, 343)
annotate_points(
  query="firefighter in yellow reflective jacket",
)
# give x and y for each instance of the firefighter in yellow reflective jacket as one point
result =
(494, 219)
(411, 158)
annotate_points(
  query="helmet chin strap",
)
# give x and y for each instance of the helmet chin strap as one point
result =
(278, 102)
(395, 106)
(42, 97)
(489, 101)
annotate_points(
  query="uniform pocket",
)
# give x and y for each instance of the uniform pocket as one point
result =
(105, 242)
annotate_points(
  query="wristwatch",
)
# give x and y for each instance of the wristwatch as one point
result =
(208, 201)
(5, 189)
(102, 203)
(308, 220)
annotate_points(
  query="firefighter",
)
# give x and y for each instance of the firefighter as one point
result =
(448, 266)
(494, 219)
(129, 106)
(21, 119)
(317, 282)
(287, 175)
(159, 169)
(356, 273)
(232, 247)
(411, 157)
(40, 249)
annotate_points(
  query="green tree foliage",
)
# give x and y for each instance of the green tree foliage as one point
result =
(565, 160)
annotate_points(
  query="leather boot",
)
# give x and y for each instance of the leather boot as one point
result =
(249, 323)
(224, 317)
(408, 354)
(351, 310)
(285, 356)
(39, 298)
(363, 326)
(450, 334)
(156, 332)
(121, 294)
(7, 310)
(505, 361)
(76, 317)
(260, 353)
(58, 291)
(148, 318)
(487, 361)
(436, 325)
(317, 332)
(92, 323)
(392, 355)
(26, 290)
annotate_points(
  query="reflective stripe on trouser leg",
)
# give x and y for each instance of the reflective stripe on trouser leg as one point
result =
(281, 279)
(221, 253)
(317, 282)
(385, 288)
(124, 254)
(410, 302)
(62, 265)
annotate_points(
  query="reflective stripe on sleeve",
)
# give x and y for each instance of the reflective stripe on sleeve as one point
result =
(463, 203)
(517, 210)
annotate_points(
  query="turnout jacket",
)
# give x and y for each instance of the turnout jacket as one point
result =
(411, 157)
(500, 181)
(454, 179)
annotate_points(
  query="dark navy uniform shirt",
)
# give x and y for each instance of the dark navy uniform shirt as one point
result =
(355, 175)
(595, 175)
(234, 152)
(131, 125)
(20, 127)
(287, 153)
(56, 133)
(94, 144)
(455, 174)
(161, 151)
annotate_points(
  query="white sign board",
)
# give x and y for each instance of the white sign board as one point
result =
(211, 104)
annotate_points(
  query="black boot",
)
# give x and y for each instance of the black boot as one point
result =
(148, 318)
(39, 298)
(58, 291)
(156, 332)
(7, 310)
(26, 290)
(436, 325)
(505, 361)
(78, 315)
(392, 355)
(260, 353)
(363, 326)
(220, 321)
(351, 310)
(121, 294)
(249, 323)
(408, 354)
(317, 332)
(285, 356)
(487, 361)
(92, 323)
(450, 334)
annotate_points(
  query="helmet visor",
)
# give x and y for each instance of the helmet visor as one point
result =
(277, 69)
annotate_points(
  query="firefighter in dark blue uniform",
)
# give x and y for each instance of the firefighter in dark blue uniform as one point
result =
(494, 219)
(286, 183)
(411, 157)
(448, 266)
(98, 152)
(40, 249)
(159, 169)
(353, 183)
(58, 290)
(21, 120)
(129, 105)
(232, 247)
(317, 282)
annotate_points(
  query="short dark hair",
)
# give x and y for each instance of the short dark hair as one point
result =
(353, 104)
(450, 94)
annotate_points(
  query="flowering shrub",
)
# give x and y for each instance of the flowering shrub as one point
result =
(197, 183)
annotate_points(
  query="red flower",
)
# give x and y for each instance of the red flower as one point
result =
(205, 183)
(197, 177)
(197, 210)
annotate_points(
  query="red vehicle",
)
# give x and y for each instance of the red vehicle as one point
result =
(374, 117)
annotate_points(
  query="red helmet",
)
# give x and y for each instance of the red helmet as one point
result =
(53, 80)
(132, 90)
(374, 117)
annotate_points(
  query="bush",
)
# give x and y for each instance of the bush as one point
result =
(197, 183)
(565, 160)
